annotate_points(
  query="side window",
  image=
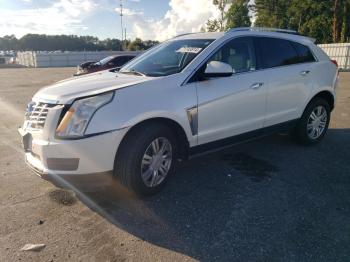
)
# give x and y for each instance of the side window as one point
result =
(239, 53)
(119, 60)
(277, 52)
(305, 55)
(129, 58)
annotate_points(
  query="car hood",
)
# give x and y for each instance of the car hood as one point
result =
(66, 91)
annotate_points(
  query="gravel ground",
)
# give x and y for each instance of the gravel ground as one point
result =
(267, 200)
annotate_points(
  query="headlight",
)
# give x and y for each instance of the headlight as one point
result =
(77, 118)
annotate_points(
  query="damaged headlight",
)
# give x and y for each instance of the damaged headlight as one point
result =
(75, 121)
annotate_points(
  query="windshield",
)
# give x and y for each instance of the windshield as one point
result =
(167, 58)
(105, 60)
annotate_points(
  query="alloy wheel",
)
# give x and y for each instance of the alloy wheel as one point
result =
(317, 122)
(156, 162)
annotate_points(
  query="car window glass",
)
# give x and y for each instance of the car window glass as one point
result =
(304, 53)
(238, 53)
(120, 60)
(168, 58)
(277, 52)
(104, 61)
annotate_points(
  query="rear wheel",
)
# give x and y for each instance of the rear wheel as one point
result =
(146, 158)
(314, 122)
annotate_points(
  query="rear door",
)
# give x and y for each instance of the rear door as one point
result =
(289, 74)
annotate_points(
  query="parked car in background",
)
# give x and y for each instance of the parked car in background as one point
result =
(192, 94)
(106, 63)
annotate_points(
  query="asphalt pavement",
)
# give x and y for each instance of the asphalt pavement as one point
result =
(266, 200)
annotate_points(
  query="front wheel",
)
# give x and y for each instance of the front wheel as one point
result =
(314, 122)
(146, 158)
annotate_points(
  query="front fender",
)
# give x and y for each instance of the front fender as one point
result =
(120, 114)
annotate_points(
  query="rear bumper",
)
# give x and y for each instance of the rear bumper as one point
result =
(74, 157)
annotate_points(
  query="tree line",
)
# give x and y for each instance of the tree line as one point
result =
(325, 20)
(42, 42)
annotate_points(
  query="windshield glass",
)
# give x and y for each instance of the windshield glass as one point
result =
(167, 58)
(105, 60)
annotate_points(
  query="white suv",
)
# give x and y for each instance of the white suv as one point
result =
(188, 95)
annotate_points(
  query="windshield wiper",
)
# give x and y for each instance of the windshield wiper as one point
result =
(133, 72)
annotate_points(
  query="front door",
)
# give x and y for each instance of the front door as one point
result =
(229, 106)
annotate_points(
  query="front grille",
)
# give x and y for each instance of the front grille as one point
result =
(36, 114)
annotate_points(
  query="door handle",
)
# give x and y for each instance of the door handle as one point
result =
(256, 86)
(305, 72)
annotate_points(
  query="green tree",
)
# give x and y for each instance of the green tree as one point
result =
(219, 24)
(213, 25)
(222, 6)
(8, 42)
(139, 45)
(149, 43)
(36, 42)
(238, 14)
(341, 21)
(312, 18)
(325, 20)
(111, 44)
(272, 13)
(345, 30)
(136, 45)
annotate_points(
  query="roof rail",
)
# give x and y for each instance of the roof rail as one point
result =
(183, 35)
(263, 29)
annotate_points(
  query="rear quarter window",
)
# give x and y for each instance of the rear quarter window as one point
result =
(304, 52)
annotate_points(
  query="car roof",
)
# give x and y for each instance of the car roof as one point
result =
(119, 55)
(252, 31)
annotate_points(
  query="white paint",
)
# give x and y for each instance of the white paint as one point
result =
(227, 106)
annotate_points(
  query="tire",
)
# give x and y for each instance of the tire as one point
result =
(131, 162)
(305, 132)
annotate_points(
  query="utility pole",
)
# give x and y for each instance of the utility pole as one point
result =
(125, 37)
(121, 23)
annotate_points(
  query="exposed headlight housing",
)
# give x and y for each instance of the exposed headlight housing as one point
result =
(76, 120)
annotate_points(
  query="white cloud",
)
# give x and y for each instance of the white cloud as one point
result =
(63, 17)
(129, 12)
(75, 8)
(72, 16)
(184, 16)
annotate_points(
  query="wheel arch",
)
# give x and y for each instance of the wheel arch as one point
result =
(178, 130)
(327, 95)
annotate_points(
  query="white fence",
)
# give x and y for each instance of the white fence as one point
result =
(339, 52)
(63, 59)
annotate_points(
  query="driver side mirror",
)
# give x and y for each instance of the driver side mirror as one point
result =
(218, 69)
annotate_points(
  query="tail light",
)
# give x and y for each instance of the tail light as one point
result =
(335, 62)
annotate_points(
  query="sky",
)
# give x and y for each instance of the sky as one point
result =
(146, 19)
